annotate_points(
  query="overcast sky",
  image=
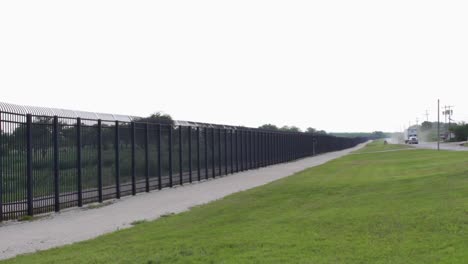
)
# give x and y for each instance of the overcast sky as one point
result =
(332, 65)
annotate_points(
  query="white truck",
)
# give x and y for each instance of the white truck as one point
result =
(411, 136)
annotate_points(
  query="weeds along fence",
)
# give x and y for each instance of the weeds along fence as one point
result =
(48, 163)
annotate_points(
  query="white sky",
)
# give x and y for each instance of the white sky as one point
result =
(332, 65)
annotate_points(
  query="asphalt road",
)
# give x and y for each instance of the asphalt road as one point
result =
(454, 146)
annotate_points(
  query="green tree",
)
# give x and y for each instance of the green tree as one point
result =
(378, 134)
(460, 131)
(425, 126)
(158, 117)
(290, 129)
(311, 130)
(268, 127)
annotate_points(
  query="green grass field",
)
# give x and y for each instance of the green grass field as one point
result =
(388, 207)
(378, 145)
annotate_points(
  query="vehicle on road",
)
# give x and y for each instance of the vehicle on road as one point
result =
(411, 136)
(413, 140)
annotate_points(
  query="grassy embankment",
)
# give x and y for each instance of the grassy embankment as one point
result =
(380, 207)
(379, 146)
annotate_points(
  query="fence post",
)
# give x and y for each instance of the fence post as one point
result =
(270, 149)
(314, 144)
(265, 153)
(147, 187)
(259, 149)
(285, 147)
(278, 150)
(247, 149)
(181, 169)
(79, 162)
(133, 132)
(29, 181)
(198, 154)
(254, 144)
(252, 149)
(225, 152)
(56, 165)
(206, 151)
(236, 137)
(1, 170)
(117, 159)
(241, 148)
(170, 155)
(190, 152)
(100, 160)
(213, 159)
(219, 153)
(232, 150)
(159, 158)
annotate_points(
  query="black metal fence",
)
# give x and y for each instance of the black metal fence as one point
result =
(48, 163)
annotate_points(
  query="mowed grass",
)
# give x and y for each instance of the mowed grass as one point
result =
(378, 145)
(390, 207)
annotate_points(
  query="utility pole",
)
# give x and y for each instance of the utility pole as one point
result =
(448, 112)
(438, 124)
(417, 121)
(427, 116)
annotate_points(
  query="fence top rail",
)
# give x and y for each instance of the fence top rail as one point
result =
(91, 119)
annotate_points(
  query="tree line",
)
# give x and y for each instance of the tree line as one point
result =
(291, 129)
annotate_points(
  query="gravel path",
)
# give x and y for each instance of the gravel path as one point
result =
(80, 224)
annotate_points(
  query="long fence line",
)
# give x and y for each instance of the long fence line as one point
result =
(48, 163)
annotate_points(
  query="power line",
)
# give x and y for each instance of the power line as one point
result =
(448, 112)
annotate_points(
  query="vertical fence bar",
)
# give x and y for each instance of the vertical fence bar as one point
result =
(56, 165)
(264, 149)
(254, 148)
(170, 155)
(159, 158)
(29, 181)
(268, 147)
(147, 183)
(246, 150)
(206, 152)
(273, 147)
(251, 150)
(213, 159)
(181, 171)
(117, 159)
(231, 132)
(79, 162)
(133, 133)
(236, 137)
(241, 148)
(276, 143)
(1, 169)
(259, 149)
(225, 152)
(99, 142)
(219, 153)
(198, 155)
(190, 152)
